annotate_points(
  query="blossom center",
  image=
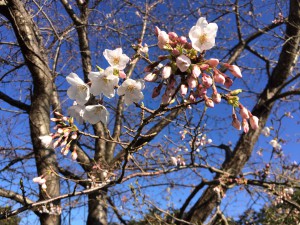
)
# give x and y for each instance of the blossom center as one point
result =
(82, 87)
(105, 80)
(116, 60)
(203, 38)
(130, 88)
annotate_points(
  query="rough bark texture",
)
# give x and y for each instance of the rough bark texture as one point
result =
(39, 115)
(243, 150)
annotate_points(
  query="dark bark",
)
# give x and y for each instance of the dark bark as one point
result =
(30, 43)
(243, 150)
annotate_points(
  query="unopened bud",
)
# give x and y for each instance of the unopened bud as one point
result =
(182, 40)
(235, 92)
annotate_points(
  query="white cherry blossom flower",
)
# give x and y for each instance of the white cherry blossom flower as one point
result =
(203, 35)
(46, 140)
(275, 144)
(104, 82)
(183, 63)
(79, 91)
(116, 59)
(266, 131)
(95, 113)
(131, 90)
(76, 111)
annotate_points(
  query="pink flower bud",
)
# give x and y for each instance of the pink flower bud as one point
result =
(228, 82)
(183, 89)
(209, 103)
(173, 36)
(201, 90)
(188, 46)
(163, 39)
(212, 62)
(206, 80)
(157, 31)
(192, 97)
(122, 74)
(166, 72)
(175, 52)
(74, 155)
(183, 63)
(235, 70)
(44, 186)
(196, 71)
(182, 40)
(254, 122)
(235, 122)
(204, 67)
(216, 97)
(192, 82)
(245, 125)
(219, 78)
(74, 136)
(244, 112)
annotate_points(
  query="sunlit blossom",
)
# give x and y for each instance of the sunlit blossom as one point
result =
(79, 91)
(116, 58)
(104, 82)
(266, 131)
(46, 140)
(183, 63)
(203, 35)
(76, 111)
(132, 91)
(95, 113)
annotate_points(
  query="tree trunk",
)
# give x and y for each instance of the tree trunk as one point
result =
(36, 60)
(97, 208)
(243, 150)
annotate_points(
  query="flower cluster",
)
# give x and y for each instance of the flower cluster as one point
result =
(103, 83)
(66, 133)
(177, 161)
(185, 70)
(41, 181)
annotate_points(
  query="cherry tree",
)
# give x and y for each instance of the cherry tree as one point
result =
(123, 108)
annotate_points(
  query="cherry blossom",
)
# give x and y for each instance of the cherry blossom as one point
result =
(131, 90)
(76, 111)
(116, 59)
(46, 140)
(104, 82)
(203, 35)
(266, 131)
(95, 113)
(274, 143)
(79, 91)
(183, 63)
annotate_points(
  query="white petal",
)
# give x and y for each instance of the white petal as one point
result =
(74, 79)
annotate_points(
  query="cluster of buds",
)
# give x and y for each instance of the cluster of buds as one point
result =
(177, 161)
(185, 70)
(246, 116)
(50, 209)
(284, 194)
(66, 134)
(41, 180)
(200, 141)
(264, 173)
(279, 19)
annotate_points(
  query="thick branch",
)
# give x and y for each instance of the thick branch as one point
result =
(15, 103)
